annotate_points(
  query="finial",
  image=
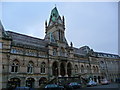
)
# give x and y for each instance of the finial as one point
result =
(63, 19)
(46, 23)
(55, 5)
(63, 22)
(71, 44)
(46, 26)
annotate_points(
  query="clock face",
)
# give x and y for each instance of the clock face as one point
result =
(54, 15)
(54, 19)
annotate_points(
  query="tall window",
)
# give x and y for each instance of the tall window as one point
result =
(97, 70)
(94, 69)
(30, 67)
(55, 51)
(82, 69)
(62, 52)
(76, 69)
(14, 67)
(61, 35)
(43, 67)
(88, 69)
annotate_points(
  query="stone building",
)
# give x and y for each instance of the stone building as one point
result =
(30, 61)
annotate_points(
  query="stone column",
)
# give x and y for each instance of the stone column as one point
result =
(23, 82)
(97, 80)
(36, 83)
(49, 70)
(59, 70)
(66, 75)
(72, 72)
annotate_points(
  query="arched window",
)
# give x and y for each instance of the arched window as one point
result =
(30, 67)
(76, 69)
(94, 69)
(88, 69)
(62, 51)
(97, 70)
(55, 68)
(15, 65)
(69, 69)
(82, 69)
(43, 67)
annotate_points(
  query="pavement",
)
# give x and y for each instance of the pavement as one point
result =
(111, 85)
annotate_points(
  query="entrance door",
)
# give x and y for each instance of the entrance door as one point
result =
(30, 82)
(13, 83)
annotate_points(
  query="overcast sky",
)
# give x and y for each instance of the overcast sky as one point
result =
(94, 24)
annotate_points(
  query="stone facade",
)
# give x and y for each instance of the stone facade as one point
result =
(30, 61)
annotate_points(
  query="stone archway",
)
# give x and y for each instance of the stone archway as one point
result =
(14, 82)
(99, 79)
(30, 82)
(62, 69)
(55, 69)
(95, 78)
(42, 80)
(69, 69)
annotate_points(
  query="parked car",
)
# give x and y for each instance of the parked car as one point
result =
(23, 88)
(50, 86)
(105, 82)
(91, 83)
(73, 85)
(118, 80)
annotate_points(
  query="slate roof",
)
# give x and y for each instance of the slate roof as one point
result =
(79, 51)
(26, 40)
(1, 27)
(3, 33)
(101, 54)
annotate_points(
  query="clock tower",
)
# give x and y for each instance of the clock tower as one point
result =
(55, 28)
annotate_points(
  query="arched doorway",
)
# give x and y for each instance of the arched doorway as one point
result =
(55, 69)
(14, 82)
(95, 78)
(42, 80)
(69, 69)
(99, 79)
(62, 69)
(30, 82)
